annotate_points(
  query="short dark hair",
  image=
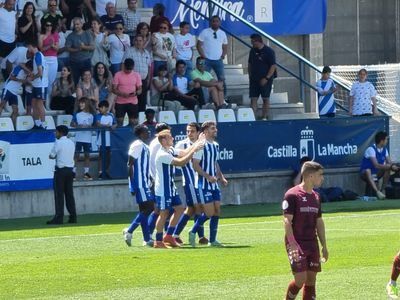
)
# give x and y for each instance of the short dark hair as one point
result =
(326, 69)
(104, 103)
(129, 64)
(362, 70)
(139, 129)
(199, 58)
(162, 126)
(162, 68)
(380, 136)
(149, 111)
(215, 17)
(256, 37)
(62, 129)
(183, 24)
(180, 62)
(195, 125)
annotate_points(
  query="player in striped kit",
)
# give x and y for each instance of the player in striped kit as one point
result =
(139, 179)
(189, 182)
(205, 163)
(13, 88)
(165, 189)
(326, 88)
(40, 84)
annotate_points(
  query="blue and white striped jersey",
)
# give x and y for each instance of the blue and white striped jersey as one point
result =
(43, 81)
(165, 171)
(13, 86)
(139, 151)
(190, 176)
(208, 157)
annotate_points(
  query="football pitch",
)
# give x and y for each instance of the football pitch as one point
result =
(90, 260)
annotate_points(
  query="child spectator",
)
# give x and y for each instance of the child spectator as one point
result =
(184, 45)
(326, 100)
(62, 92)
(150, 117)
(13, 88)
(105, 119)
(83, 118)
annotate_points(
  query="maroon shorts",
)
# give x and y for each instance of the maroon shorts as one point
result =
(309, 261)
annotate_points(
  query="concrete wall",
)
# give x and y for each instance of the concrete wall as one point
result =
(113, 196)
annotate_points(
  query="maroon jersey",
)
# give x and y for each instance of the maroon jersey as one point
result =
(306, 209)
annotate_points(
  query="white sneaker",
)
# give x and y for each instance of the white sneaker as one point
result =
(127, 237)
(380, 195)
(150, 243)
(215, 244)
(392, 291)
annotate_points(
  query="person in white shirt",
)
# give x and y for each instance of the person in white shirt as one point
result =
(212, 45)
(185, 42)
(63, 152)
(362, 94)
(165, 190)
(8, 23)
(84, 118)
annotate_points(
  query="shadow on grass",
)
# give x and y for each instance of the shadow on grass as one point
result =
(226, 246)
(228, 211)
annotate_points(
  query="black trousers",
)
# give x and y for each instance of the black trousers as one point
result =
(142, 98)
(63, 180)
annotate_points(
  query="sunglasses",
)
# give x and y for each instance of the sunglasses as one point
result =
(53, 5)
(119, 28)
(201, 63)
(163, 27)
(48, 25)
(215, 35)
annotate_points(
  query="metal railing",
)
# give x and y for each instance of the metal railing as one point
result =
(302, 62)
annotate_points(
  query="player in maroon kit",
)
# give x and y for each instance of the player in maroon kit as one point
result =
(303, 224)
(391, 288)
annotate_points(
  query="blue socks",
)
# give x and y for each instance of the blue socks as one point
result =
(136, 222)
(152, 222)
(213, 228)
(200, 221)
(159, 236)
(181, 224)
(145, 230)
(170, 230)
(200, 231)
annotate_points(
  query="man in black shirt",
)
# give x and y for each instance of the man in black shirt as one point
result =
(262, 71)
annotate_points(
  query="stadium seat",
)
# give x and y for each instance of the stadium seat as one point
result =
(226, 115)
(64, 120)
(24, 123)
(245, 114)
(167, 116)
(142, 117)
(206, 115)
(6, 124)
(186, 117)
(49, 123)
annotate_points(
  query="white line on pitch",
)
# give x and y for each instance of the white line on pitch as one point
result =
(222, 225)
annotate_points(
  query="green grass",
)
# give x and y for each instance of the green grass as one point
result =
(89, 260)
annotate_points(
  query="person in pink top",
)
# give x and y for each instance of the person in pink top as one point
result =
(48, 45)
(127, 85)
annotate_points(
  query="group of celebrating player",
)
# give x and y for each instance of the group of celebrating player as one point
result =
(153, 167)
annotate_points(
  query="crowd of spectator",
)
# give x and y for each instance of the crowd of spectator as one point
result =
(91, 51)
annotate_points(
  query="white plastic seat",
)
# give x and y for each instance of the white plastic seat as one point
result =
(49, 123)
(206, 115)
(142, 117)
(24, 123)
(167, 116)
(126, 120)
(64, 120)
(186, 117)
(245, 114)
(226, 115)
(6, 124)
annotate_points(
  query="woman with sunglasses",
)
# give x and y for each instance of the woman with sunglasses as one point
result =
(164, 51)
(27, 26)
(48, 45)
(119, 43)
